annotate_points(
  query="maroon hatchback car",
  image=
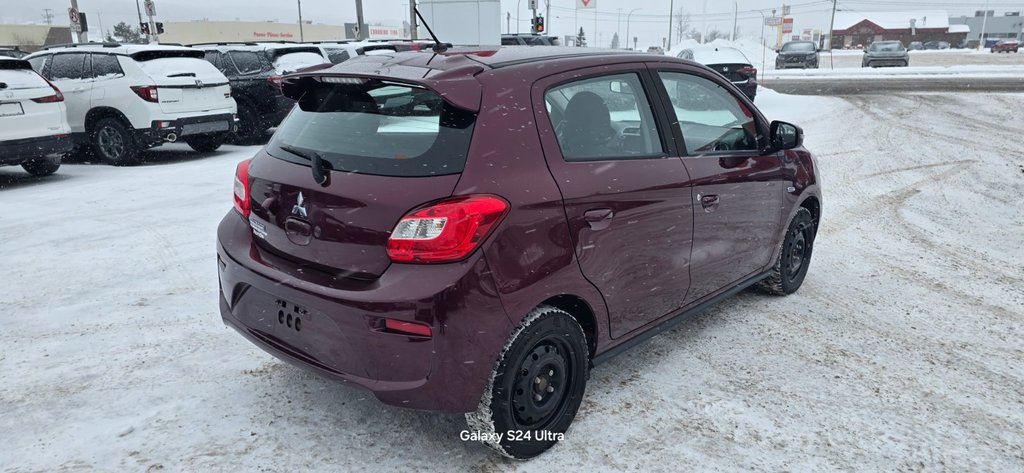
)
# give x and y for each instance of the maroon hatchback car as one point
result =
(472, 231)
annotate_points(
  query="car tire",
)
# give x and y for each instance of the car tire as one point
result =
(794, 256)
(249, 130)
(546, 358)
(113, 143)
(42, 166)
(207, 143)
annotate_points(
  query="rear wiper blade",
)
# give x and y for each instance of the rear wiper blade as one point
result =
(317, 161)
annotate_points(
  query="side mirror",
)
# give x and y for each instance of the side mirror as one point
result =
(785, 136)
(621, 87)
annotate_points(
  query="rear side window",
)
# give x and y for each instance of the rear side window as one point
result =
(376, 127)
(38, 63)
(106, 66)
(67, 67)
(337, 56)
(213, 57)
(246, 62)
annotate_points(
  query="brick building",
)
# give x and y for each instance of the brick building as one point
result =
(858, 29)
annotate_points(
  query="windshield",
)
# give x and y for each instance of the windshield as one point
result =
(798, 48)
(887, 47)
(376, 127)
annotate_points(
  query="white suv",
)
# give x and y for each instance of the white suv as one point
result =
(34, 129)
(122, 99)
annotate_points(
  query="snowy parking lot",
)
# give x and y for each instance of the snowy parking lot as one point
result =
(902, 351)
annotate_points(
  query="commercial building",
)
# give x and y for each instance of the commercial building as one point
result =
(1008, 25)
(188, 32)
(31, 38)
(858, 29)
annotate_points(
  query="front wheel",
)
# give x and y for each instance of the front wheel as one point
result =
(42, 166)
(536, 387)
(794, 256)
(206, 143)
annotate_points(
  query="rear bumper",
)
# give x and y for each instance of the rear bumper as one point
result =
(15, 152)
(341, 335)
(749, 88)
(162, 130)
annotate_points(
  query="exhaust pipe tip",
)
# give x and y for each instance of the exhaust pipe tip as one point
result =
(171, 137)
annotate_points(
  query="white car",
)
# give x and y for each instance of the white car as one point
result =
(34, 131)
(123, 99)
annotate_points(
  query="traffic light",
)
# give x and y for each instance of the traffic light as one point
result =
(144, 28)
(159, 28)
(540, 24)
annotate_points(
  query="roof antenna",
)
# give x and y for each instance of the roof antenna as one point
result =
(439, 47)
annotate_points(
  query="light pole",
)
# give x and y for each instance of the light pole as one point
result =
(302, 37)
(671, 11)
(628, 16)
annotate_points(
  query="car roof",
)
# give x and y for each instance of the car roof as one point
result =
(115, 48)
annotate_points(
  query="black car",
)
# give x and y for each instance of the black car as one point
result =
(529, 40)
(15, 53)
(802, 54)
(730, 62)
(255, 71)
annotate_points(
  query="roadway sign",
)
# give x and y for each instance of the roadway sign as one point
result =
(586, 3)
(787, 25)
(532, 5)
(150, 8)
(773, 21)
(76, 24)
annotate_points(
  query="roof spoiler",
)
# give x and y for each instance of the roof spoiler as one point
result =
(80, 45)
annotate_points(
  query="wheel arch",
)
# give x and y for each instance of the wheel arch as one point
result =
(98, 113)
(580, 310)
(812, 204)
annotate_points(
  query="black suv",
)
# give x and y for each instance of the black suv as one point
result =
(802, 54)
(525, 39)
(255, 71)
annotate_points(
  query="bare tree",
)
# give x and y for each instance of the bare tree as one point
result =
(682, 19)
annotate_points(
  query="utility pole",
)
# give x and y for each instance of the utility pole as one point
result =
(83, 37)
(412, 20)
(547, 16)
(984, 24)
(360, 26)
(671, 18)
(704, 23)
(138, 10)
(302, 37)
(832, 37)
(48, 16)
(735, 19)
(508, 22)
(628, 17)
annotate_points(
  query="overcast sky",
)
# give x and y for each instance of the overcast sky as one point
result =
(650, 23)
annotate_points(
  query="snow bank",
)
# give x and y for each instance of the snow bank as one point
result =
(901, 72)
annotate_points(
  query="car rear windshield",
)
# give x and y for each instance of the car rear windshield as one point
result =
(375, 127)
(288, 61)
(719, 56)
(799, 48)
(887, 47)
(10, 64)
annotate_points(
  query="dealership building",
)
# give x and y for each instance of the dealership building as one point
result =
(853, 29)
(1007, 25)
(188, 32)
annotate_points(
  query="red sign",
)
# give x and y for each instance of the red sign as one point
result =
(271, 34)
(787, 25)
(586, 3)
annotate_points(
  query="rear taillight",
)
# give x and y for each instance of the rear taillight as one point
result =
(748, 70)
(56, 97)
(445, 231)
(146, 92)
(242, 188)
(276, 81)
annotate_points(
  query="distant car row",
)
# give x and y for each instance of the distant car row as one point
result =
(116, 100)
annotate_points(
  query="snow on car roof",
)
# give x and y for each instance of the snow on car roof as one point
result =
(719, 55)
(894, 20)
(127, 49)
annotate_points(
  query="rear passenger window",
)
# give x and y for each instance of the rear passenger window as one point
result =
(213, 57)
(246, 62)
(604, 117)
(337, 56)
(106, 66)
(67, 67)
(711, 118)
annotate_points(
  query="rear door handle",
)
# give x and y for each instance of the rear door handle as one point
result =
(598, 219)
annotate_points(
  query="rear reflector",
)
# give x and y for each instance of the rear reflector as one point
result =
(242, 188)
(408, 328)
(445, 231)
(748, 70)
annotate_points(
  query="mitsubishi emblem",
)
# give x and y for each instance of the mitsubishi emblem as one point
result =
(299, 210)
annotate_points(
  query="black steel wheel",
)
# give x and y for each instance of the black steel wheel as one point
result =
(536, 387)
(794, 256)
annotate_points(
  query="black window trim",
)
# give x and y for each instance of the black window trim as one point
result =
(677, 132)
(230, 55)
(668, 146)
(92, 70)
(85, 57)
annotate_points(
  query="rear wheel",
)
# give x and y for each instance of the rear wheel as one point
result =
(794, 256)
(113, 143)
(249, 129)
(536, 387)
(42, 166)
(206, 143)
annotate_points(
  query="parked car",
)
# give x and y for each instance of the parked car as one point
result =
(655, 50)
(527, 39)
(802, 54)
(255, 71)
(123, 99)
(1006, 46)
(12, 53)
(915, 46)
(337, 52)
(936, 45)
(471, 232)
(34, 130)
(730, 62)
(885, 53)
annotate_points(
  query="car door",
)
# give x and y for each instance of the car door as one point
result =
(626, 192)
(68, 72)
(738, 188)
(108, 80)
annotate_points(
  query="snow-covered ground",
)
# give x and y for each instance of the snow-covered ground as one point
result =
(923, 73)
(903, 350)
